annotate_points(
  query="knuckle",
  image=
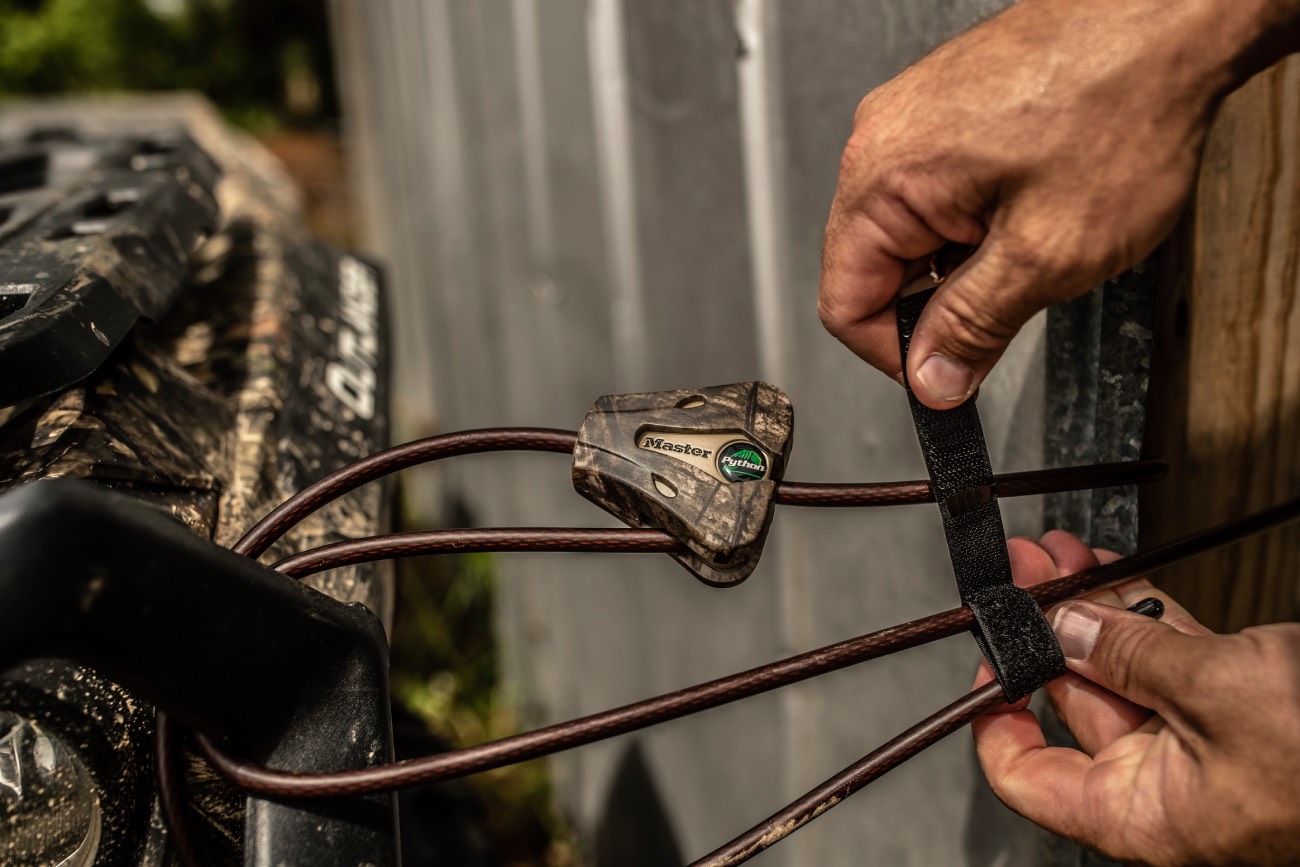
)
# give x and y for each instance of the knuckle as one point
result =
(1269, 664)
(1034, 258)
(835, 316)
(870, 152)
(850, 159)
(1128, 649)
(1118, 651)
(830, 315)
(861, 157)
(862, 111)
(1283, 638)
(865, 113)
(973, 329)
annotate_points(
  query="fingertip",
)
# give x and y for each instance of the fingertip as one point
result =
(1030, 563)
(1069, 552)
(1105, 555)
(1025, 545)
(1175, 614)
(1004, 740)
(875, 340)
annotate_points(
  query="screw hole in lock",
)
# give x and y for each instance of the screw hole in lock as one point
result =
(693, 402)
(665, 487)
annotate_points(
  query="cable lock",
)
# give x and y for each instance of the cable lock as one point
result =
(540, 742)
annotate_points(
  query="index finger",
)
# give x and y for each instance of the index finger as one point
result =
(869, 251)
(1044, 784)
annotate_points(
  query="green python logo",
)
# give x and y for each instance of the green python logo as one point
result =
(741, 462)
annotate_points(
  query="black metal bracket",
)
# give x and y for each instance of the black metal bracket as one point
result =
(277, 671)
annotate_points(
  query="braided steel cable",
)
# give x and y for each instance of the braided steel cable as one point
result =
(857, 776)
(171, 793)
(283, 518)
(1053, 481)
(649, 541)
(873, 766)
(265, 533)
(472, 442)
(474, 541)
(551, 739)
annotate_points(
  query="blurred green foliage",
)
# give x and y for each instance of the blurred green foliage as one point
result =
(264, 62)
(446, 671)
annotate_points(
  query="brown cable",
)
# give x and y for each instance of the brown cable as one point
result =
(866, 770)
(262, 535)
(872, 767)
(683, 702)
(646, 541)
(473, 541)
(588, 729)
(1053, 481)
(171, 793)
(265, 533)
(255, 542)
(259, 538)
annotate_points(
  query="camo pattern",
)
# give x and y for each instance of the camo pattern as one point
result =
(222, 409)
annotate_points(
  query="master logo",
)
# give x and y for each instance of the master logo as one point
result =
(741, 462)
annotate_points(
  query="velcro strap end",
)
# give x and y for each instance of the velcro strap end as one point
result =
(1016, 639)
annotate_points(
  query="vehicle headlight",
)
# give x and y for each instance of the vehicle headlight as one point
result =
(49, 805)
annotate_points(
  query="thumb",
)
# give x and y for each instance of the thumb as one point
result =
(1147, 662)
(967, 325)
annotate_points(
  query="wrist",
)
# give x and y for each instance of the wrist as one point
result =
(1245, 37)
(1181, 56)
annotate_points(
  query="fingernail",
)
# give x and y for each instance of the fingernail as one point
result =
(945, 378)
(1076, 629)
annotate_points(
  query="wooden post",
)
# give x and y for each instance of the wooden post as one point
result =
(1225, 398)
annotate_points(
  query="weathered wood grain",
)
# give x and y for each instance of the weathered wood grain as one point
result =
(567, 197)
(1226, 394)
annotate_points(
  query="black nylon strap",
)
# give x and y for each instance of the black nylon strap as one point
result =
(1011, 630)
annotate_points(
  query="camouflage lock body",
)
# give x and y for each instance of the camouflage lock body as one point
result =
(701, 464)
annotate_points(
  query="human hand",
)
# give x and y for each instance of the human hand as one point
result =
(1061, 138)
(1209, 778)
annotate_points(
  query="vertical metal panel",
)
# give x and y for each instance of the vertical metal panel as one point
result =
(612, 109)
(763, 158)
(690, 196)
(586, 196)
(1227, 376)
(879, 567)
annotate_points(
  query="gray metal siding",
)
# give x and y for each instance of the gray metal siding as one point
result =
(578, 198)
